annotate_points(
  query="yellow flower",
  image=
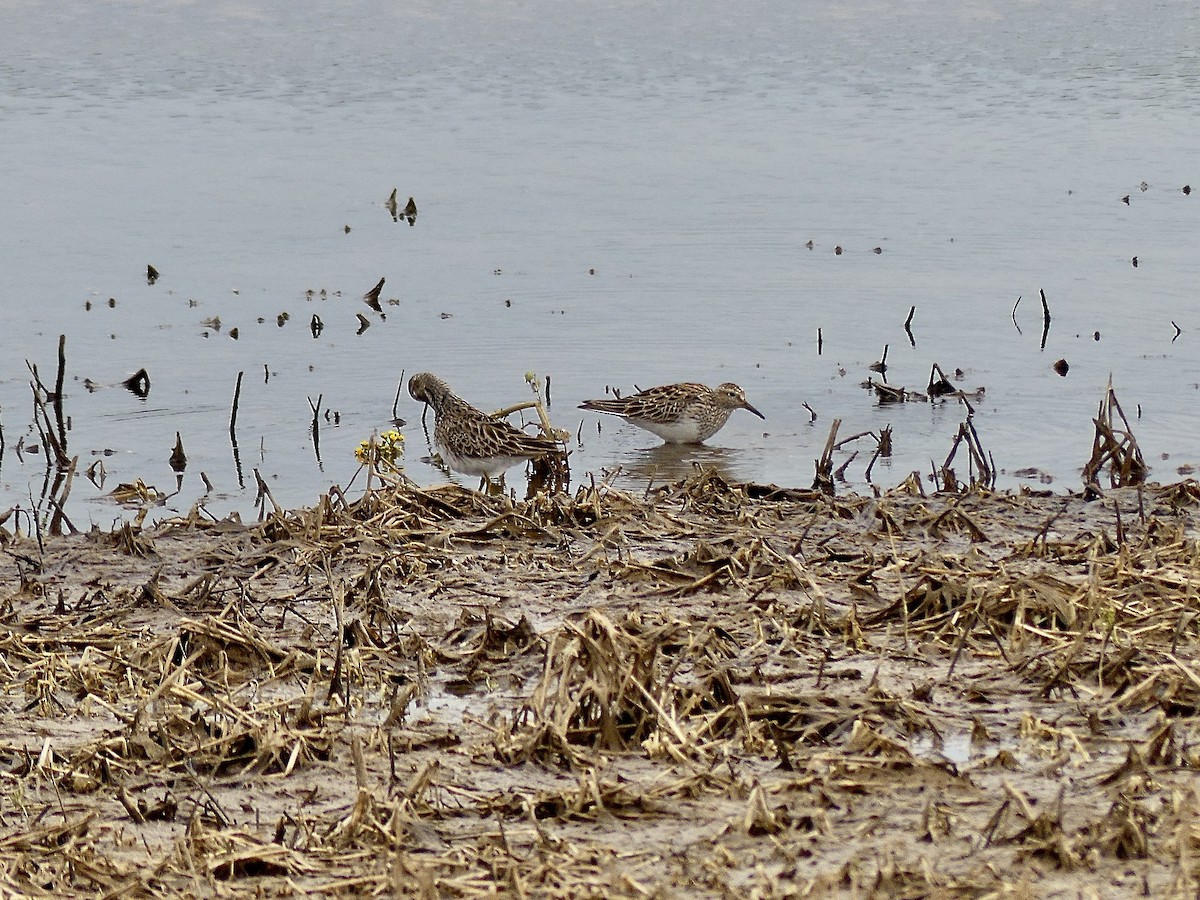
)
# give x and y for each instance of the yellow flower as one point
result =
(386, 448)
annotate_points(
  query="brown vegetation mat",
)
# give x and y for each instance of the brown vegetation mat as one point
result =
(712, 690)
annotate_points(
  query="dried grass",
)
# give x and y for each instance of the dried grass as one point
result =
(713, 690)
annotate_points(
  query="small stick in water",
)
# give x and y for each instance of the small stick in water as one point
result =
(316, 424)
(237, 395)
(178, 457)
(58, 391)
(396, 420)
(137, 384)
(881, 366)
(1045, 319)
(372, 296)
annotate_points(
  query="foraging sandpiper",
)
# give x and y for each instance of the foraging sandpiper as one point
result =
(469, 440)
(685, 413)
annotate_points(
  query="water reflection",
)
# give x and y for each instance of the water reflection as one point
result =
(138, 384)
(372, 296)
(671, 462)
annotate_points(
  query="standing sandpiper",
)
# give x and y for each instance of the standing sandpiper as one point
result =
(469, 440)
(685, 413)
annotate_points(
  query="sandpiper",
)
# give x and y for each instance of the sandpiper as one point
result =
(469, 440)
(685, 413)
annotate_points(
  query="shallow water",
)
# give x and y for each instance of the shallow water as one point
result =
(611, 197)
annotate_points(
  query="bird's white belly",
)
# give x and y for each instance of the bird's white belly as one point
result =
(685, 432)
(491, 466)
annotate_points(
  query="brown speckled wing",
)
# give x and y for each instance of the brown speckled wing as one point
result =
(474, 434)
(663, 404)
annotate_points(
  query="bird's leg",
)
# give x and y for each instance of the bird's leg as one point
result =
(491, 488)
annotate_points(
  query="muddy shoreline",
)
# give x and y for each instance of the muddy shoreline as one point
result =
(709, 690)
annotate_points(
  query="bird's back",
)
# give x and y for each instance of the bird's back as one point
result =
(666, 404)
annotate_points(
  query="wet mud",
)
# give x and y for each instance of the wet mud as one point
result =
(709, 689)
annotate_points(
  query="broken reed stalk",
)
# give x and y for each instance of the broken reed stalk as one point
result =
(543, 419)
(396, 402)
(41, 419)
(912, 311)
(1045, 319)
(1116, 404)
(885, 440)
(237, 462)
(944, 479)
(237, 395)
(840, 472)
(871, 465)
(178, 457)
(883, 447)
(360, 764)
(337, 594)
(980, 472)
(264, 494)
(981, 460)
(233, 443)
(58, 391)
(881, 366)
(46, 429)
(316, 423)
(939, 384)
(1113, 447)
(949, 480)
(824, 478)
(888, 393)
(58, 499)
(854, 437)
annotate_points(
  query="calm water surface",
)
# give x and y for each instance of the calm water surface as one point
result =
(611, 196)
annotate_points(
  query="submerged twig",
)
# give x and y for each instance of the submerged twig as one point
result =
(237, 396)
(58, 392)
(1045, 319)
(233, 442)
(315, 428)
(881, 365)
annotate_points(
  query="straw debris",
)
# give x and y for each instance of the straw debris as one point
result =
(710, 689)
